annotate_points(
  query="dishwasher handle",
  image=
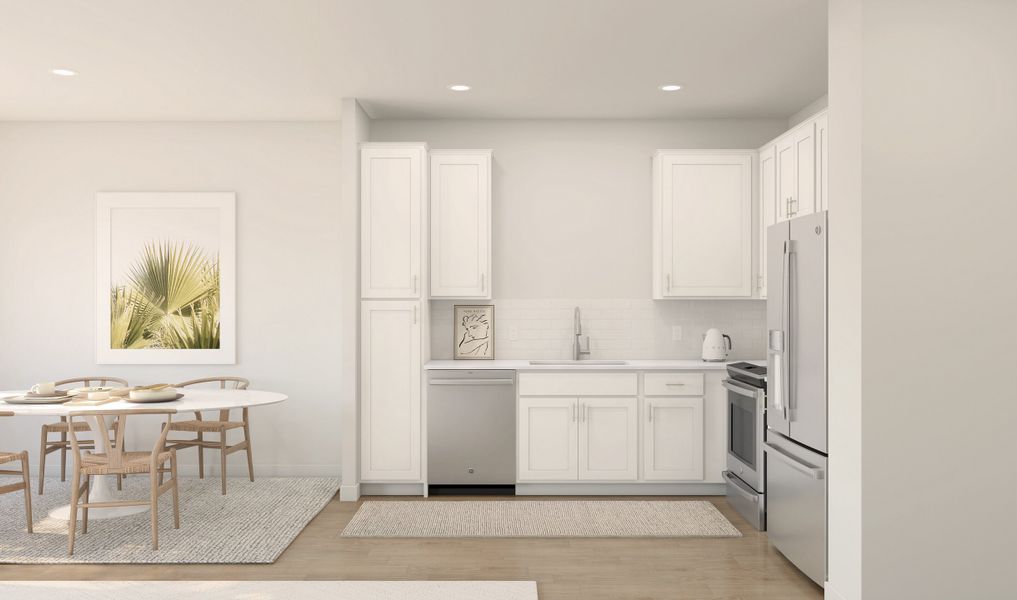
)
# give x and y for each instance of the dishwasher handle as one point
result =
(472, 382)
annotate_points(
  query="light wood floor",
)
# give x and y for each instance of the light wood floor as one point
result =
(746, 568)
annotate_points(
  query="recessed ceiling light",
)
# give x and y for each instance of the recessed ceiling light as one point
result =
(670, 88)
(459, 87)
(64, 72)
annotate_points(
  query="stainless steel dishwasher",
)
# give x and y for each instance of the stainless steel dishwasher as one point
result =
(471, 431)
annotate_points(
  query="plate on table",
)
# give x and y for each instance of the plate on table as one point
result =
(34, 399)
(154, 397)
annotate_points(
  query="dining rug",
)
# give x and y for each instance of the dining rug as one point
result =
(270, 590)
(539, 518)
(253, 523)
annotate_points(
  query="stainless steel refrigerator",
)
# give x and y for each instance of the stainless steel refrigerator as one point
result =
(796, 436)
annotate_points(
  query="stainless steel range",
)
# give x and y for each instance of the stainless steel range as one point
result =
(746, 432)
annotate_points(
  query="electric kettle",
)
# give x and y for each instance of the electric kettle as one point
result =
(716, 345)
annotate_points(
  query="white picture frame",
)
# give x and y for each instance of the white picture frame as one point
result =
(473, 332)
(127, 221)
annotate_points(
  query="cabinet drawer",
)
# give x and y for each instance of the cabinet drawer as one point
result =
(673, 384)
(579, 384)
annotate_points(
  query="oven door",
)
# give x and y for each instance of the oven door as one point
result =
(746, 407)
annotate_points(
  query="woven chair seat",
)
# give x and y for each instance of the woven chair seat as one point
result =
(133, 462)
(64, 426)
(6, 457)
(203, 426)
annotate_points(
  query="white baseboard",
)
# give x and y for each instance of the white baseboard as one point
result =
(829, 593)
(349, 493)
(392, 489)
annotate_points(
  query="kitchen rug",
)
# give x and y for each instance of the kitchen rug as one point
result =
(253, 523)
(270, 590)
(539, 518)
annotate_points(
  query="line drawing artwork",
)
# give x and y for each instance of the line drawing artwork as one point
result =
(473, 332)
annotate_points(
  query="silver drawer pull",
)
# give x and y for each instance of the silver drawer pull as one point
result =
(737, 485)
(793, 462)
(675, 384)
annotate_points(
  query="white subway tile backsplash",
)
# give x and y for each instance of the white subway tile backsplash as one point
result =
(618, 328)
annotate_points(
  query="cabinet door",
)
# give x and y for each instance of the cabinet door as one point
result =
(673, 439)
(706, 224)
(804, 197)
(548, 439)
(390, 390)
(822, 166)
(608, 439)
(461, 224)
(785, 151)
(391, 180)
(767, 207)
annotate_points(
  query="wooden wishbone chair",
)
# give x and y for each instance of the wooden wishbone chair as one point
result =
(47, 446)
(120, 462)
(220, 427)
(25, 483)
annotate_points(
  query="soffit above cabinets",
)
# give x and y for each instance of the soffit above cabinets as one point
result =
(272, 60)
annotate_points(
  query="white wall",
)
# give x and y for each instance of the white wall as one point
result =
(934, 90)
(290, 238)
(572, 198)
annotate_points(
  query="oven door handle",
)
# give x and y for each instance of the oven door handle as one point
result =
(740, 487)
(740, 388)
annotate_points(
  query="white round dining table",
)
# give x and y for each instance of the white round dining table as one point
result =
(103, 486)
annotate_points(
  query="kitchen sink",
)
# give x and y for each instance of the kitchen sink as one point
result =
(578, 362)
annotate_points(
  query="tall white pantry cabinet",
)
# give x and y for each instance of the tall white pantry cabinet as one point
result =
(394, 343)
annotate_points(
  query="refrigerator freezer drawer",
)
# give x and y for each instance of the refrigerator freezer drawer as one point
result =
(796, 505)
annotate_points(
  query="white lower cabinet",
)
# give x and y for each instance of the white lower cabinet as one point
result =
(673, 439)
(608, 439)
(390, 390)
(547, 447)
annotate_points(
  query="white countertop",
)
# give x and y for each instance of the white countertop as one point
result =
(631, 365)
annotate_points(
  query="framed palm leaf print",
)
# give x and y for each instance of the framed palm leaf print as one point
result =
(166, 278)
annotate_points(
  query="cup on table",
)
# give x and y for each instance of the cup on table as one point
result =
(44, 389)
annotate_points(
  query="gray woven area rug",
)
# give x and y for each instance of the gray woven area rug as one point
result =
(270, 590)
(539, 518)
(253, 523)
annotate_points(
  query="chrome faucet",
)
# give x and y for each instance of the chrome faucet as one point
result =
(577, 336)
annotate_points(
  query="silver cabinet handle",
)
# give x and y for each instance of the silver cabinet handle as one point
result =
(667, 284)
(675, 384)
(793, 462)
(649, 412)
(414, 284)
(483, 282)
(737, 485)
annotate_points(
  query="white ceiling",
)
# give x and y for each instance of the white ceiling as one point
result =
(295, 59)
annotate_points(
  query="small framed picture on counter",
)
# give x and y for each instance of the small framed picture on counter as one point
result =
(473, 337)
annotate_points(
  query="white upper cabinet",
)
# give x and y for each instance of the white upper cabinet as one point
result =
(390, 381)
(393, 186)
(460, 223)
(767, 207)
(801, 167)
(702, 223)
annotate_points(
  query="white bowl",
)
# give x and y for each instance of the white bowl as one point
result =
(161, 394)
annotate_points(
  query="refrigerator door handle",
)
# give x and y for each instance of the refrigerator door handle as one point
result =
(788, 309)
(793, 462)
